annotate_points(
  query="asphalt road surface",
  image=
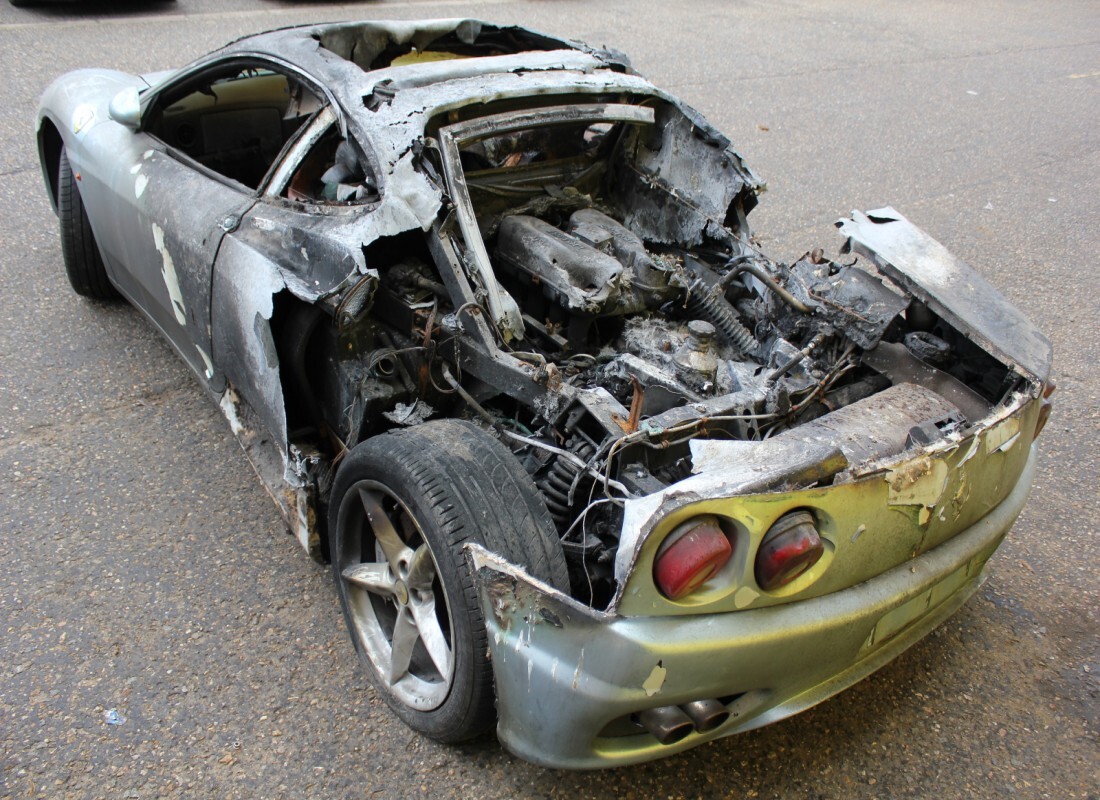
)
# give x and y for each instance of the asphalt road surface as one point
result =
(143, 569)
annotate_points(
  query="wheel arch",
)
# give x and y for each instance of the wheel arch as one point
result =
(455, 484)
(295, 326)
(50, 145)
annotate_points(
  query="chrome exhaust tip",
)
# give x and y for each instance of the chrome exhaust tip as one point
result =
(668, 724)
(706, 714)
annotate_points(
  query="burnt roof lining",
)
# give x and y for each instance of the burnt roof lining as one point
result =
(372, 46)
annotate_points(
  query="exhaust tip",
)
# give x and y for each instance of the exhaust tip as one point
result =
(667, 724)
(706, 715)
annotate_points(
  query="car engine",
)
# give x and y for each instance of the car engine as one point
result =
(645, 327)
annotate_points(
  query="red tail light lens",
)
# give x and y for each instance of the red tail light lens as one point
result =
(790, 547)
(692, 560)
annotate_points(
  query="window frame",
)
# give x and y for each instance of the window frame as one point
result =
(292, 156)
(299, 149)
(196, 74)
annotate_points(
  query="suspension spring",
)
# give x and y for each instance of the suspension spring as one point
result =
(707, 304)
(555, 485)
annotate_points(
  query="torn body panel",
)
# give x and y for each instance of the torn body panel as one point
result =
(245, 285)
(288, 480)
(951, 288)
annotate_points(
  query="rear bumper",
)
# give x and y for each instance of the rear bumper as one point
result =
(568, 678)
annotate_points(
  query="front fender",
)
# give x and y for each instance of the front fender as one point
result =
(70, 107)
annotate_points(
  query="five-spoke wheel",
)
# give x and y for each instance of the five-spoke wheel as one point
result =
(397, 601)
(403, 507)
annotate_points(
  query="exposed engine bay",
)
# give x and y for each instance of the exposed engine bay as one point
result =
(605, 315)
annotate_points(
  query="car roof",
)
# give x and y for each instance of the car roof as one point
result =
(388, 99)
(392, 77)
(350, 58)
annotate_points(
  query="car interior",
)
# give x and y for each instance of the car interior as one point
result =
(234, 120)
(331, 172)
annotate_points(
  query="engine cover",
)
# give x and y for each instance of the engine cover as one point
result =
(570, 272)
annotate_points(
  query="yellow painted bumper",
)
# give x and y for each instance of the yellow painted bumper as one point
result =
(569, 678)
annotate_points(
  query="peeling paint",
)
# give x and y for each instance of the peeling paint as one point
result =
(209, 367)
(652, 685)
(744, 596)
(1003, 435)
(84, 117)
(168, 272)
(139, 186)
(228, 405)
(917, 482)
(304, 530)
(975, 447)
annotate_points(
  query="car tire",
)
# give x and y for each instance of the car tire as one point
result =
(403, 506)
(83, 263)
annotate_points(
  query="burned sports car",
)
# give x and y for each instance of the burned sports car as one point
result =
(485, 311)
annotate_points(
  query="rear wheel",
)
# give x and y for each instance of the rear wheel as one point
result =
(403, 506)
(83, 263)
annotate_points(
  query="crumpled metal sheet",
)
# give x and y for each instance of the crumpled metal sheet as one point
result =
(951, 288)
(853, 301)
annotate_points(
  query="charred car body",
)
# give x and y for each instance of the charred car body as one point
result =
(484, 310)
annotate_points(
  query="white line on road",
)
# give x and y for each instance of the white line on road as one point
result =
(355, 11)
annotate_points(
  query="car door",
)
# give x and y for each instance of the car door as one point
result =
(205, 143)
(170, 234)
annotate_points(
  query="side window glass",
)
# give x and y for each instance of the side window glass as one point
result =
(234, 120)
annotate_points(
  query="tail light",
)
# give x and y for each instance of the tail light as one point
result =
(790, 547)
(691, 559)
